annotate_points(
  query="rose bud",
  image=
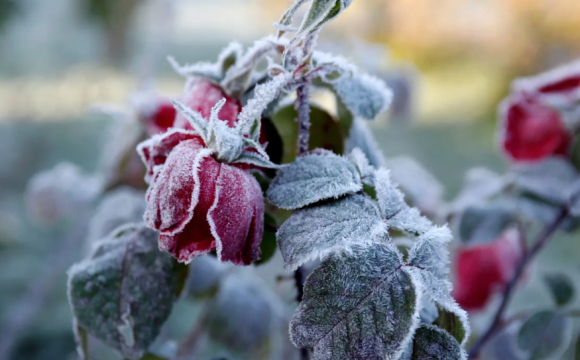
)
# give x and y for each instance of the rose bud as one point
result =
(200, 198)
(483, 270)
(531, 130)
(201, 95)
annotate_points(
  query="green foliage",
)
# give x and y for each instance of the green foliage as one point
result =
(561, 288)
(124, 291)
(544, 335)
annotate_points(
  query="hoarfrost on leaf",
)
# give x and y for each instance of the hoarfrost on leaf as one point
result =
(369, 309)
(124, 291)
(430, 251)
(432, 342)
(315, 232)
(313, 178)
(422, 189)
(391, 200)
(409, 220)
(264, 94)
(360, 137)
(319, 12)
(241, 316)
(364, 95)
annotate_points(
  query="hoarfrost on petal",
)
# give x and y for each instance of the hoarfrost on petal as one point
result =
(312, 178)
(315, 232)
(174, 193)
(236, 217)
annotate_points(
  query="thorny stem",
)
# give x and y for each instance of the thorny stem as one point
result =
(302, 106)
(542, 239)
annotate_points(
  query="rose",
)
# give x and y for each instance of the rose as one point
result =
(201, 95)
(532, 118)
(200, 197)
(532, 130)
(483, 270)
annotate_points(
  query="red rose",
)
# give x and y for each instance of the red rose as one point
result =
(532, 130)
(198, 203)
(483, 270)
(559, 86)
(201, 95)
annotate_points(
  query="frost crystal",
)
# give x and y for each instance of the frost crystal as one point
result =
(313, 178)
(124, 291)
(318, 231)
(360, 137)
(369, 308)
(391, 200)
(432, 342)
(319, 12)
(364, 95)
(264, 94)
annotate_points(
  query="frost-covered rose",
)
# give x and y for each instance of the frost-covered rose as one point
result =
(483, 270)
(532, 130)
(559, 86)
(200, 198)
(200, 95)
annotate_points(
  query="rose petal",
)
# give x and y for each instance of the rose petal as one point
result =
(482, 270)
(237, 216)
(161, 118)
(531, 130)
(174, 193)
(201, 95)
(155, 150)
(561, 84)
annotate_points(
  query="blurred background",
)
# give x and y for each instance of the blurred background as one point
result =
(449, 62)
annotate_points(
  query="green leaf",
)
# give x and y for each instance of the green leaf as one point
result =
(451, 323)
(561, 287)
(317, 231)
(123, 293)
(483, 223)
(82, 340)
(241, 315)
(312, 178)
(432, 342)
(325, 131)
(545, 335)
(267, 247)
(320, 12)
(359, 304)
(363, 95)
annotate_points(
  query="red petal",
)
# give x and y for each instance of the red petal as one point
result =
(161, 119)
(482, 270)
(175, 190)
(532, 131)
(155, 150)
(201, 95)
(237, 216)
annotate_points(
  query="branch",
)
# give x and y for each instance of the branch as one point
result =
(541, 241)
